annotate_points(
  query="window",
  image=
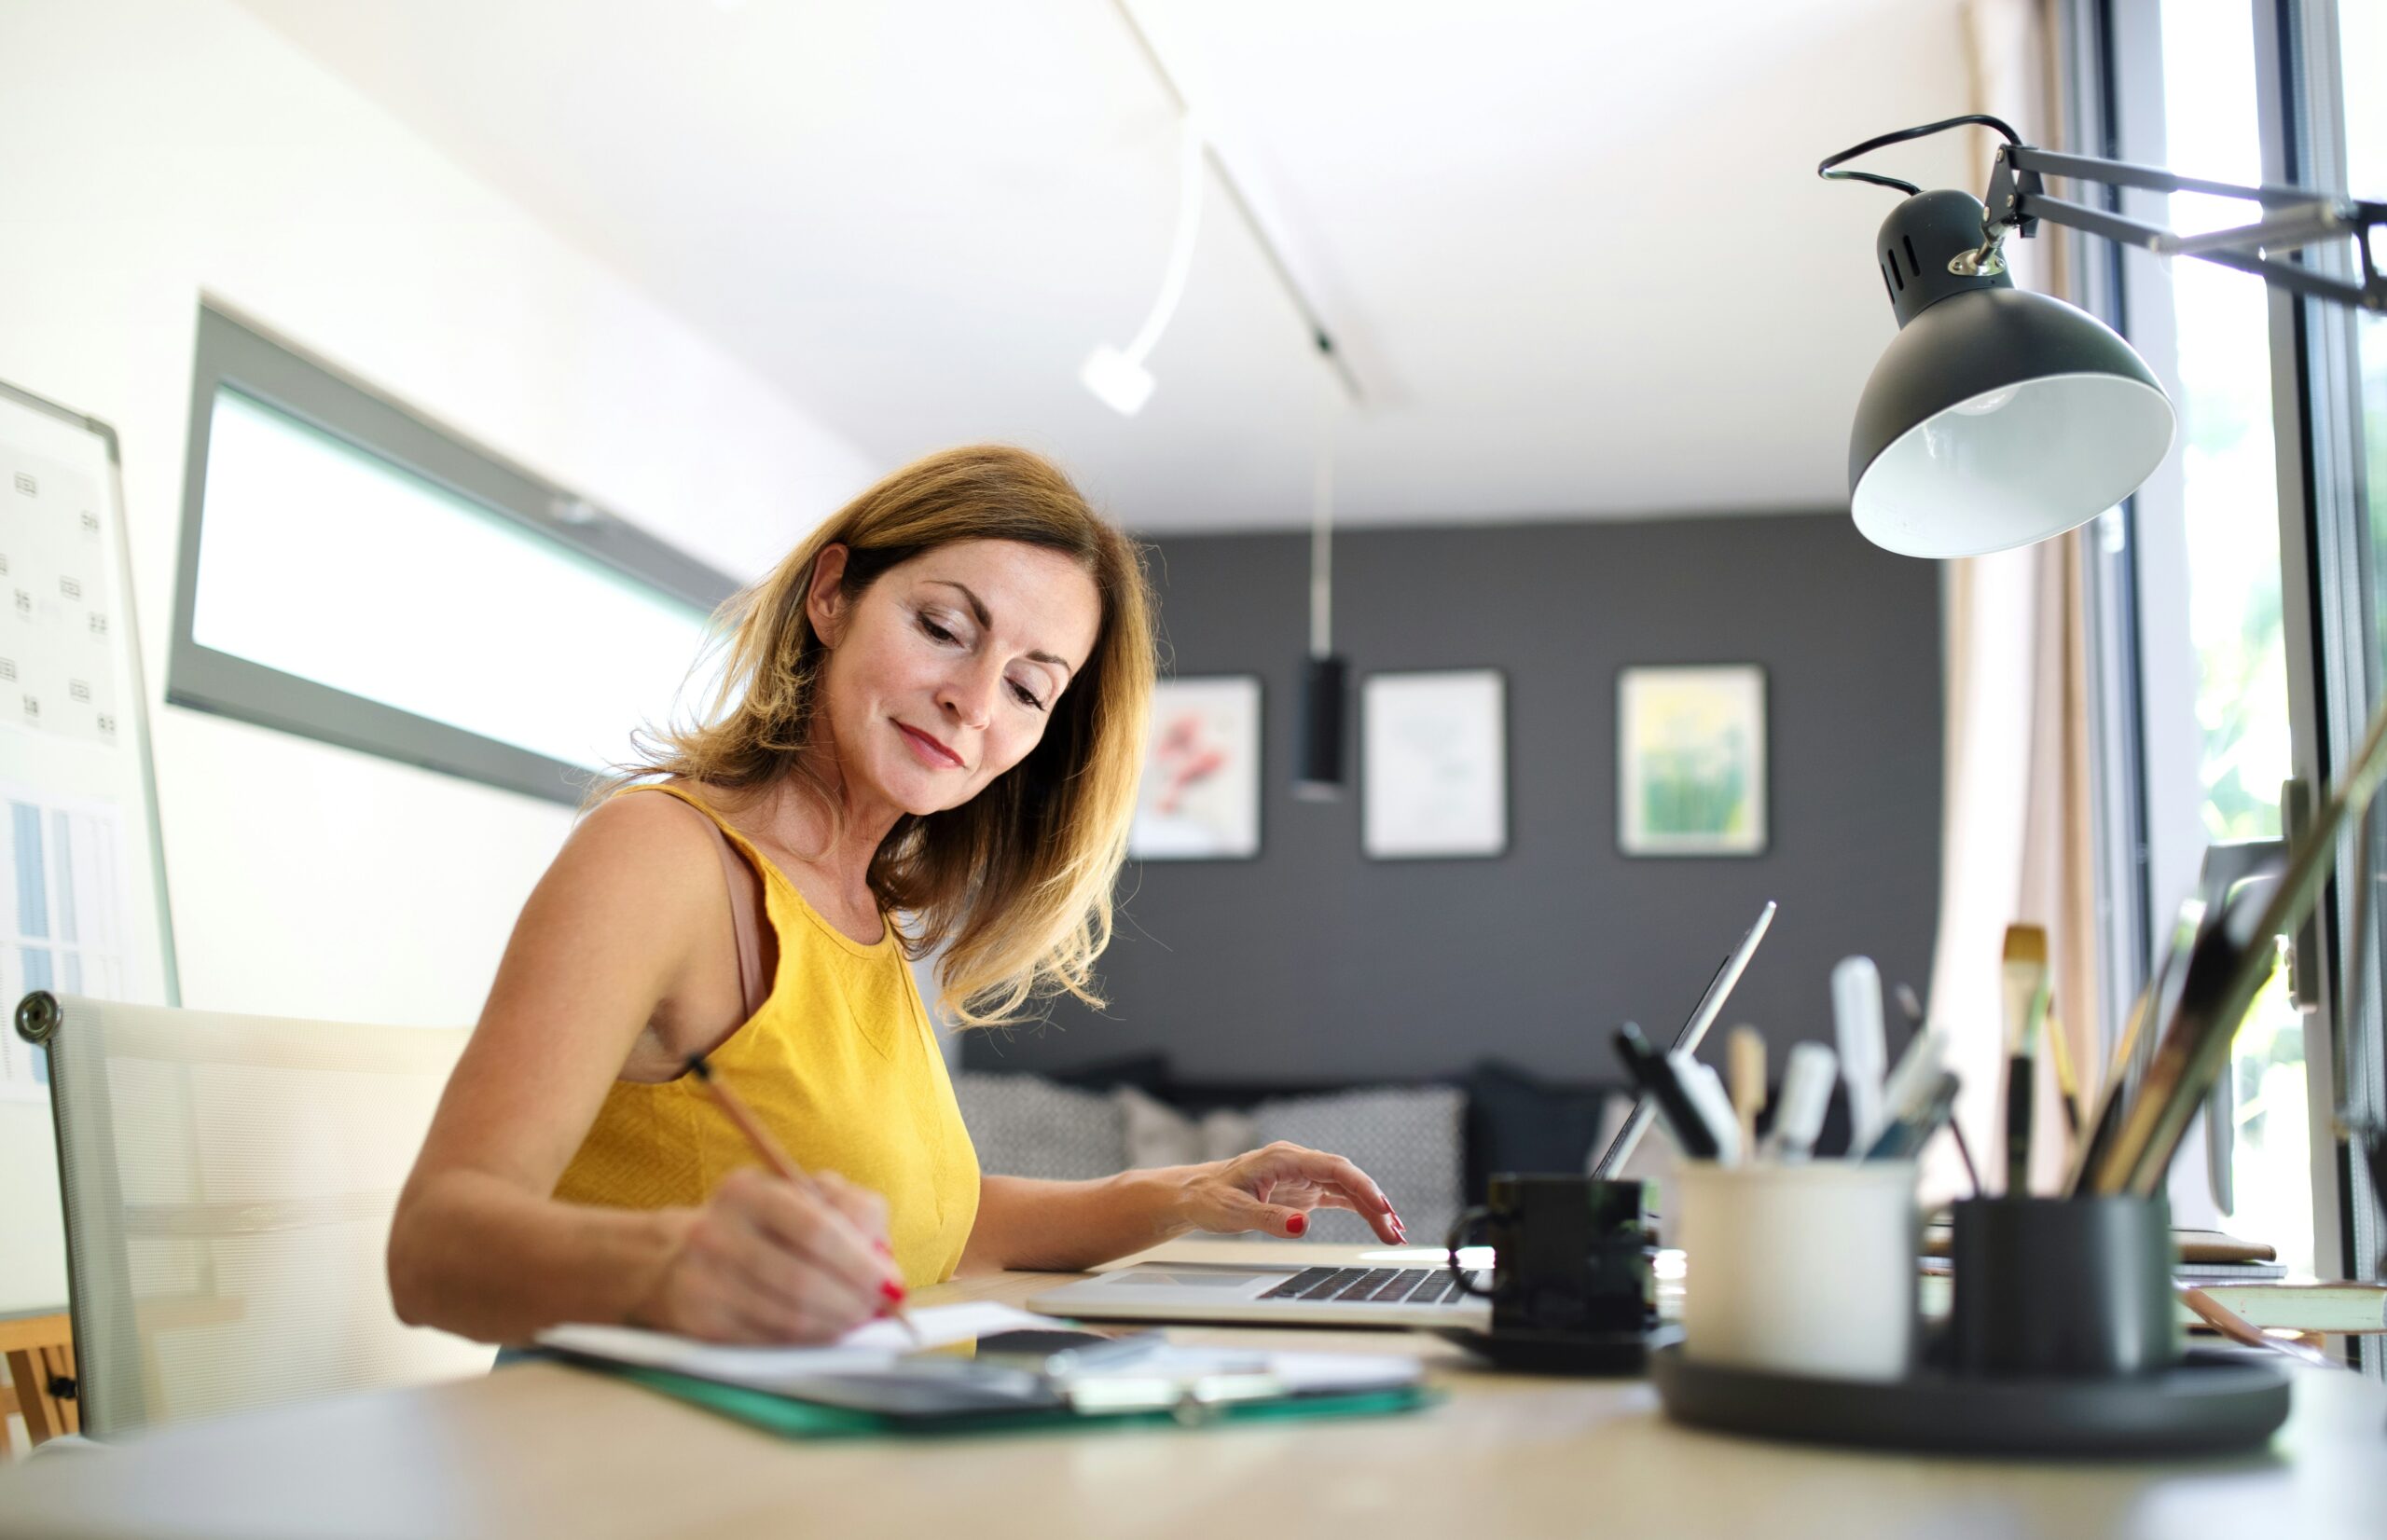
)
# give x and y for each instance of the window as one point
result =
(2351, 128)
(2254, 607)
(353, 574)
(2228, 506)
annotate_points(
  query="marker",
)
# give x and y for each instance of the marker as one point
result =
(1657, 1078)
(1712, 1103)
(1857, 1026)
(1806, 1095)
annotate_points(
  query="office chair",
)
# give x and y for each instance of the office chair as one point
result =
(228, 1183)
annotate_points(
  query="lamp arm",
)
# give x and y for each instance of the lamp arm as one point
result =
(2017, 201)
(2123, 173)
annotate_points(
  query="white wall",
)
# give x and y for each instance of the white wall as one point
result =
(153, 151)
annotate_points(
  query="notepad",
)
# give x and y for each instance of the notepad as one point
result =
(875, 1345)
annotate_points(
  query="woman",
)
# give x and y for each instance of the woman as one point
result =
(936, 707)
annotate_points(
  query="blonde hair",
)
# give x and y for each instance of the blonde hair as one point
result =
(1014, 883)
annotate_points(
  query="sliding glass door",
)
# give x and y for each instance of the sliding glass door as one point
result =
(2254, 629)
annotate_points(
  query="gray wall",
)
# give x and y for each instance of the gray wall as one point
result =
(1313, 963)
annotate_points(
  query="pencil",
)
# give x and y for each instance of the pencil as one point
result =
(773, 1156)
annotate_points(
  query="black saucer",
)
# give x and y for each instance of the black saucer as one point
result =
(2210, 1401)
(1600, 1352)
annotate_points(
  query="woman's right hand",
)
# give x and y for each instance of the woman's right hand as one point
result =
(766, 1261)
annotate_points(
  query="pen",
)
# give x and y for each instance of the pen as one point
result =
(1857, 1026)
(777, 1159)
(1657, 1078)
(1806, 1095)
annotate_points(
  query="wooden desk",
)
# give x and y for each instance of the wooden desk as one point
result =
(540, 1449)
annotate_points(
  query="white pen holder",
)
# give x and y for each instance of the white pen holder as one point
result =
(1802, 1269)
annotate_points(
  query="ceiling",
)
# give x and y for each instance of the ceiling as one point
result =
(1576, 253)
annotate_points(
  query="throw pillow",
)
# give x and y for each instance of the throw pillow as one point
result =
(1024, 1126)
(1519, 1121)
(1407, 1138)
(1159, 1135)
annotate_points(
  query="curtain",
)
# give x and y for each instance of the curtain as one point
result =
(2016, 843)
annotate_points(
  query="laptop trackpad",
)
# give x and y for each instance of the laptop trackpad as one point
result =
(1147, 1276)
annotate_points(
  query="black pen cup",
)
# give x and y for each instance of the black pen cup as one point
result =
(2063, 1288)
(1571, 1252)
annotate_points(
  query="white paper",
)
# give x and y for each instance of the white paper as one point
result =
(1435, 782)
(873, 1347)
(880, 1345)
(60, 667)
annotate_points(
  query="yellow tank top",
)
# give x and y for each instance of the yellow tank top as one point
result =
(841, 1064)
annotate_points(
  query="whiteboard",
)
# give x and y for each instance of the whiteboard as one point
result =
(82, 878)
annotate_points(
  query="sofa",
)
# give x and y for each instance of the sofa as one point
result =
(1429, 1144)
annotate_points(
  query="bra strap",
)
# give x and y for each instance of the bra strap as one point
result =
(744, 922)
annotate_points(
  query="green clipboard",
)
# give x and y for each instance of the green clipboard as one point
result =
(793, 1419)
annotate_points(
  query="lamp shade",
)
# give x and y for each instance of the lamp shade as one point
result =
(1317, 775)
(1996, 417)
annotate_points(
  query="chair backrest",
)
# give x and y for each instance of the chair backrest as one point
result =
(228, 1184)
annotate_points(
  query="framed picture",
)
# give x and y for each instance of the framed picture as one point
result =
(1199, 799)
(1435, 778)
(1690, 761)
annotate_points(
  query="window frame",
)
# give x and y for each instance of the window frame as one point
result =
(2317, 405)
(2113, 50)
(237, 353)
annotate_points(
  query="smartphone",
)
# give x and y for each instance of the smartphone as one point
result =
(1056, 1352)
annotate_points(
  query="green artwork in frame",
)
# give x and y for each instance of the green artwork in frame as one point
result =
(1690, 761)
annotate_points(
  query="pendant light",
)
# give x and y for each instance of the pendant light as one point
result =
(1318, 770)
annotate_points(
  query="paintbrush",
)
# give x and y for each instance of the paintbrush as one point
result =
(2025, 976)
(2153, 1003)
(2151, 1132)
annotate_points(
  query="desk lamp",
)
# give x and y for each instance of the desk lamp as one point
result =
(1998, 417)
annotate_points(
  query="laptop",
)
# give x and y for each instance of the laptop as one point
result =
(1394, 1287)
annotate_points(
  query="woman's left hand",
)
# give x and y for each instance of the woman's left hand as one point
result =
(1274, 1189)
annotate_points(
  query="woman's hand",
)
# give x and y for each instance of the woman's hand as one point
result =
(1274, 1189)
(766, 1261)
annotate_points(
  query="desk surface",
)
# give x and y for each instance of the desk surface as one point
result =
(541, 1449)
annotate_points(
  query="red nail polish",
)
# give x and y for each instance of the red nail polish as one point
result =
(892, 1290)
(1295, 1224)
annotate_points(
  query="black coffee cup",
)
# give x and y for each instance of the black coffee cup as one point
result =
(1572, 1254)
(2063, 1288)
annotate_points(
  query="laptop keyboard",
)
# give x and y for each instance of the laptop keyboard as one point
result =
(1383, 1286)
